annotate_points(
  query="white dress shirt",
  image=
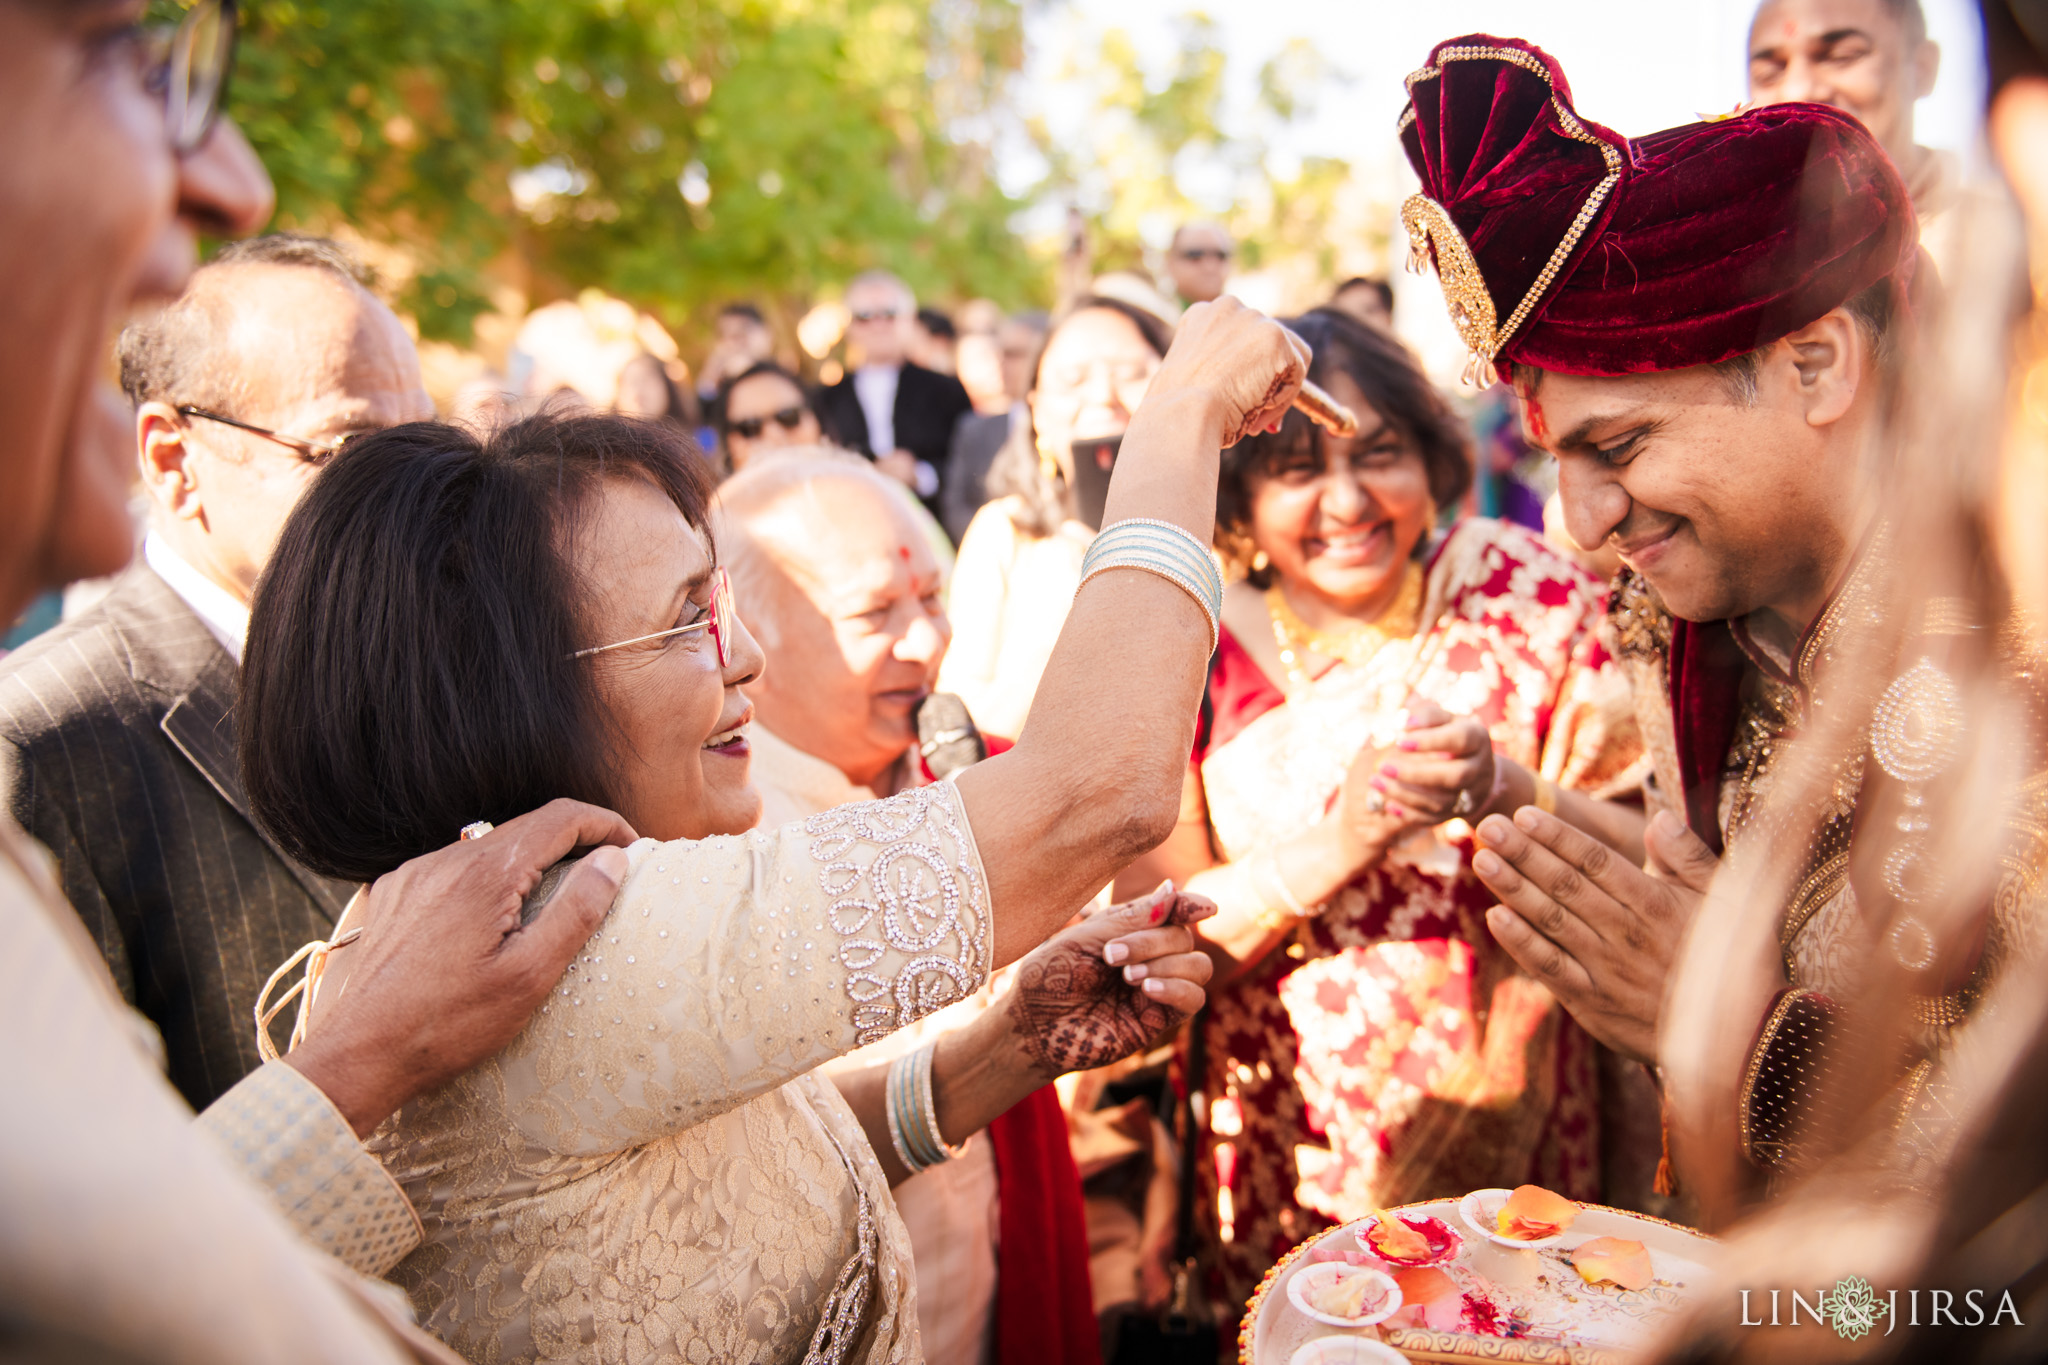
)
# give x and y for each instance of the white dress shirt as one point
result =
(225, 616)
(875, 387)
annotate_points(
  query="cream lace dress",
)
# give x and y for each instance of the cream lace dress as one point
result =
(651, 1172)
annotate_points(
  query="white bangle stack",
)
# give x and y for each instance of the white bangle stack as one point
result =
(1160, 547)
(912, 1113)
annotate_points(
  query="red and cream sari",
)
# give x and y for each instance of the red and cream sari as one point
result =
(1390, 1050)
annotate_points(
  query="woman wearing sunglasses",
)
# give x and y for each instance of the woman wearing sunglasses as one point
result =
(451, 628)
(764, 409)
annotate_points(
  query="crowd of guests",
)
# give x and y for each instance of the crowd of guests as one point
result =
(975, 860)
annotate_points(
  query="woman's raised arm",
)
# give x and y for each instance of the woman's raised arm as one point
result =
(1095, 778)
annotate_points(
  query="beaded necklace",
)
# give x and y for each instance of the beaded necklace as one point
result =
(1353, 643)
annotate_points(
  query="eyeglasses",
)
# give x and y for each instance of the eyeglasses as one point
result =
(1203, 253)
(876, 315)
(719, 619)
(312, 452)
(789, 419)
(188, 64)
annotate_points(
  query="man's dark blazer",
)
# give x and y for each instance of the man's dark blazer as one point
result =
(117, 751)
(928, 404)
(976, 443)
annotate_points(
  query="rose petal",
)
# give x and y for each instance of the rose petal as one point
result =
(1615, 1260)
(1533, 1213)
(1393, 1238)
(1425, 1284)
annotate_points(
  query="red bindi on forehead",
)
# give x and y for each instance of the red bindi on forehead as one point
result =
(903, 553)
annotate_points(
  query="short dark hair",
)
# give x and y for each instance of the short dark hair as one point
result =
(743, 309)
(1391, 381)
(753, 371)
(1044, 502)
(1874, 310)
(1377, 285)
(937, 323)
(407, 669)
(168, 357)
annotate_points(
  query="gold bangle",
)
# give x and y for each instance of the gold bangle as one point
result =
(1546, 796)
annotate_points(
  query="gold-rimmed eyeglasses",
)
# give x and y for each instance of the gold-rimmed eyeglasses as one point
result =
(719, 619)
(311, 451)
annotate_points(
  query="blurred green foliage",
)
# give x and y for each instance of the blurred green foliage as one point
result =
(676, 152)
(1156, 152)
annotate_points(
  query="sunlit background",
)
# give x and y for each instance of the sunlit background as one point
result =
(489, 156)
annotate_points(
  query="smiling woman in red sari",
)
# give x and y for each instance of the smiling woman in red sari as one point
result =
(1377, 689)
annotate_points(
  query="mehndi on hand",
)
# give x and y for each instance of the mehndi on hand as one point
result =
(1112, 984)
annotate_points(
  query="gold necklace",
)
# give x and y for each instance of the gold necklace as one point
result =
(1353, 643)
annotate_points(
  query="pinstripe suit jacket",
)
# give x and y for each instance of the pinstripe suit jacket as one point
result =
(117, 751)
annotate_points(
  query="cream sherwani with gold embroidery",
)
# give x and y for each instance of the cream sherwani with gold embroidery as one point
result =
(652, 1172)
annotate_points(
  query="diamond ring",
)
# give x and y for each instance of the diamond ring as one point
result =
(477, 829)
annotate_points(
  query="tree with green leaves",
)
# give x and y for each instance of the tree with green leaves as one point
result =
(677, 154)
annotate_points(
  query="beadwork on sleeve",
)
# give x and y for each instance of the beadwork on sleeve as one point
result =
(908, 901)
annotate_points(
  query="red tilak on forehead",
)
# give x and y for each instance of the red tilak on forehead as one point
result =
(903, 553)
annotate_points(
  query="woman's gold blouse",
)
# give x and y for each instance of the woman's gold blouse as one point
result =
(650, 1172)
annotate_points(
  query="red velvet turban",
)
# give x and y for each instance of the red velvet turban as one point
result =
(1563, 245)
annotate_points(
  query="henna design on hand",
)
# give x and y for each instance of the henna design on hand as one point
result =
(1073, 1011)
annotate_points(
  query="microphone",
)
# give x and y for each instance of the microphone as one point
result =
(946, 735)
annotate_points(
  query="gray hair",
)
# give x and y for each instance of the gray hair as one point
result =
(886, 279)
(169, 357)
(748, 502)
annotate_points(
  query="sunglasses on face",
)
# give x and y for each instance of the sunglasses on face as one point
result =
(719, 618)
(1204, 253)
(789, 419)
(875, 315)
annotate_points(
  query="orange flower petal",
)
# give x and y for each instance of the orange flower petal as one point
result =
(1615, 1260)
(1425, 1284)
(1533, 1213)
(1394, 1238)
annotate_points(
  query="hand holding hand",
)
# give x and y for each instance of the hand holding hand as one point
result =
(1249, 364)
(1601, 933)
(899, 465)
(444, 975)
(1108, 986)
(1442, 768)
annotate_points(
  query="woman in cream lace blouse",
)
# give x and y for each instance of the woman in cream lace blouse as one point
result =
(451, 629)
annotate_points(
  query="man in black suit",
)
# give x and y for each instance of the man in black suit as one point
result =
(898, 414)
(117, 741)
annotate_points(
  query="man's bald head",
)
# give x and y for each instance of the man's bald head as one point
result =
(178, 355)
(835, 577)
(277, 334)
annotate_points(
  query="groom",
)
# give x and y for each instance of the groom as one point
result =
(1701, 326)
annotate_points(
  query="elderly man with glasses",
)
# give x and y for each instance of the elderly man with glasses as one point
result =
(895, 412)
(248, 384)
